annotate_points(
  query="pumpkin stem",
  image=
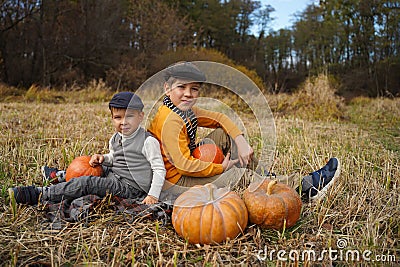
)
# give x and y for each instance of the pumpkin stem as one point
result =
(270, 186)
(210, 188)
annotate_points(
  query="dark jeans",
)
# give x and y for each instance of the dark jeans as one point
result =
(90, 185)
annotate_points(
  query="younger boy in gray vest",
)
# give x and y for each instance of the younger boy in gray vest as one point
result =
(133, 168)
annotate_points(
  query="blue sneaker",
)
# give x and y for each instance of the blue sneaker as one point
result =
(24, 195)
(52, 175)
(316, 185)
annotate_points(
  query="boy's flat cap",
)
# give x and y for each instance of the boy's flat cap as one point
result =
(126, 100)
(185, 71)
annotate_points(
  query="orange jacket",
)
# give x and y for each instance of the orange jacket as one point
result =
(170, 130)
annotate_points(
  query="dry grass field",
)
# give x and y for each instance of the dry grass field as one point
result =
(358, 222)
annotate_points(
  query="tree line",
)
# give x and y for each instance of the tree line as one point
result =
(123, 42)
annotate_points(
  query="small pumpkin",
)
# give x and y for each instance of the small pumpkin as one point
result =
(209, 153)
(80, 167)
(272, 205)
(206, 214)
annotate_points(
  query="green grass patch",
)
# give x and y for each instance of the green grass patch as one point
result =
(380, 117)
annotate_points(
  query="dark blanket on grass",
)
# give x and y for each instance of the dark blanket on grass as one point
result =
(85, 208)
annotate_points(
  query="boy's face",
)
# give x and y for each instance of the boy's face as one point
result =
(183, 94)
(126, 121)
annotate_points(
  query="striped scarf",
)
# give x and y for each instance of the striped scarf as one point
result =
(188, 117)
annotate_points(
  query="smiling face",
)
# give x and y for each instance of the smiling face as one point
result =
(126, 121)
(183, 94)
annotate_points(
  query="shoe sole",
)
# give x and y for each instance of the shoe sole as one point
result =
(11, 195)
(13, 201)
(321, 194)
(44, 178)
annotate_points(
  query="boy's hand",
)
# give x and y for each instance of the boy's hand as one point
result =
(245, 151)
(228, 163)
(149, 200)
(96, 159)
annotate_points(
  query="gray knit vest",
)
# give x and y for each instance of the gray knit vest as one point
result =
(129, 164)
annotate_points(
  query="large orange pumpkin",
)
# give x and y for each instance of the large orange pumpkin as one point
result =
(80, 167)
(272, 205)
(209, 153)
(206, 214)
